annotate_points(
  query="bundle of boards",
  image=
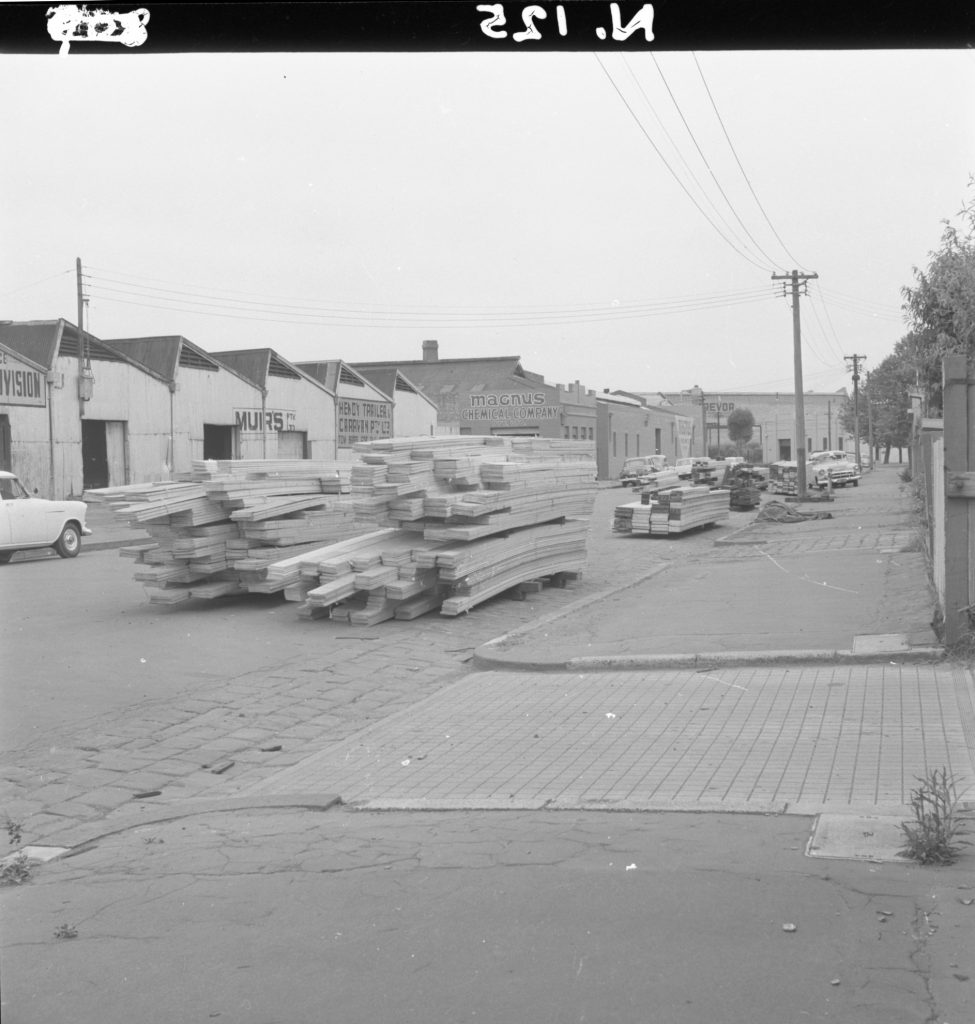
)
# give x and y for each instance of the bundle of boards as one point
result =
(672, 511)
(412, 525)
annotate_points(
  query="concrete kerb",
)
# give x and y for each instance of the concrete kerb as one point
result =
(83, 837)
(491, 655)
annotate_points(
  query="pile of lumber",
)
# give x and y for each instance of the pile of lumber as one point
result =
(783, 478)
(219, 529)
(673, 511)
(413, 525)
(469, 518)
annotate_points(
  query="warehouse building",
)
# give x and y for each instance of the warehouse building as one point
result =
(493, 395)
(363, 412)
(296, 415)
(628, 426)
(76, 413)
(205, 399)
(414, 414)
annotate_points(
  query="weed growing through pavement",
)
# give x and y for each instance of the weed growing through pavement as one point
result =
(939, 821)
(15, 831)
(66, 931)
(15, 871)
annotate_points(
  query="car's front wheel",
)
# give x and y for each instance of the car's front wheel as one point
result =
(69, 543)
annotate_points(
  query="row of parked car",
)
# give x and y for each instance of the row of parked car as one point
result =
(638, 471)
(823, 469)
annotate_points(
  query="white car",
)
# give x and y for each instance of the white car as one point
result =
(29, 522)
(832, 467)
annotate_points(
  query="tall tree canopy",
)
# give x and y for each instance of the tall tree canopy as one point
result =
(741, 423)
(940, 307)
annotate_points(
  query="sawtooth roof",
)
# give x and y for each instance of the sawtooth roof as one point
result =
(259, 364)
(434, 376)
(43, 341)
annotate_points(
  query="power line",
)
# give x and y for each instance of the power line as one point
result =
(346, 319)
(740, 167)
(312, 307)
(677, 149)
(673, 173)
(708, 165)
(50, 277)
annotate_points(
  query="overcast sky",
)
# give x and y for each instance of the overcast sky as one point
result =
(553, 206)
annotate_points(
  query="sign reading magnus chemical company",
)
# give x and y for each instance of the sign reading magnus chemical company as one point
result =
(520, 406)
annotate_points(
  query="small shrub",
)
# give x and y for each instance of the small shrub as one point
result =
(906, 475)
(933, 836)
(66, 931)
(15, 831)
(16, 871)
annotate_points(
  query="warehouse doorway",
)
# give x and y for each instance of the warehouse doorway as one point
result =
(785, 449)
(218, 441)
(5, 457)
(292, 444)
(103, 455)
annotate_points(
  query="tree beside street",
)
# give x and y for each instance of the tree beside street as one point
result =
(940, 307)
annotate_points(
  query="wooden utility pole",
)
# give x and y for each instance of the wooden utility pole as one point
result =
(81, 338)
(798, 280)
(856, 360)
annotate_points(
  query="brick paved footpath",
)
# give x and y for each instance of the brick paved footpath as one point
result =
(371, 693)
(357, 676)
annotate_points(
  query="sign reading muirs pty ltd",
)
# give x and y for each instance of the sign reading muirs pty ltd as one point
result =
(518, 406)
(20, 384)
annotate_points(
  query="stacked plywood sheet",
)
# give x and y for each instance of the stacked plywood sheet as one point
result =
(414, 525)
(783, 478)
(217, 532)
(673, 511)
(473, 518)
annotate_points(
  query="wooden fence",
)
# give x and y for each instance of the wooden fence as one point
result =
(944, 461)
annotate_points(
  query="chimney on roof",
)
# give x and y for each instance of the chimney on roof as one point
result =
(430, 353)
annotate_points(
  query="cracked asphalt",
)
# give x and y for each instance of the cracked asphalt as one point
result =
(270, 916)
(230, 895)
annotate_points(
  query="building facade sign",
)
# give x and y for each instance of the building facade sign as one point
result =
(360, 420)
(256, 421)
(515, 406)
(20, 384)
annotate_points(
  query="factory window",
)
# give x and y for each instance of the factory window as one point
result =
(614, 444)
(575, 433)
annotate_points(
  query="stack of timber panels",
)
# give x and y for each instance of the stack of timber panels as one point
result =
(783, 478)
(218, 531)
(673, 511)
(414, 525)
(459, 520)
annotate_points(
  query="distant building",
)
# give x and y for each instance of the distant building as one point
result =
(491, 395)
(774, 414)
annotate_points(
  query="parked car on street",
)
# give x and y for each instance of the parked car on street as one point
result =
(836, 467)
(30, 522)
(638, 470)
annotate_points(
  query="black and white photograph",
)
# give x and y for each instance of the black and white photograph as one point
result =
(487, 513)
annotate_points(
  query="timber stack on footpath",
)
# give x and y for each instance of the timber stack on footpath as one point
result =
(673, 511)
(415, 524)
